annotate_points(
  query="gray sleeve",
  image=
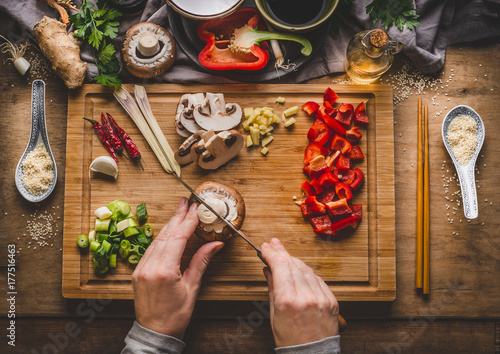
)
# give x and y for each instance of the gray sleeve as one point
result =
(329, 345)
(141, 340)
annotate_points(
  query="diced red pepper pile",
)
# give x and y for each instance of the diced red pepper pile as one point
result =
(330, 160)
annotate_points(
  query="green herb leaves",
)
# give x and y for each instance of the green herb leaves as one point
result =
(398, 12)
(401, 13)
(96, 25)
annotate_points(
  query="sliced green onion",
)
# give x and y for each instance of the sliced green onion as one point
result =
(142, 212)
(91, 235)
(131, 222)
(112, 228)
(82, 241)
(148, 229)
(130, 231)
(106, 245)
(94, 245)
(125, 244)
(120, 209)
(143, 239)
(102, 225)
(101, 270)
(102, 237)
(112, 261)
(124, 252)
(134, 259)
(114, 248)
(140, 251)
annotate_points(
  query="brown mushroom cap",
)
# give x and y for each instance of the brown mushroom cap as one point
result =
(143, 66)
(226, 232)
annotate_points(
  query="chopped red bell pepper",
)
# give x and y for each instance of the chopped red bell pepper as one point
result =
(328, 179)
(217, 34)
(345, 114)
(308, 189)
(317, 167)
(338, 207)
(351, 221)
(345, 176)
(353, 135)
(331, 158)
(306, 213)
(340, 144)
(327, 196)
(356, 153)
(319, 132)
(330, 96)
(314, 205)
(360, 116)
(321, 224)
(343, 163)
(332, 123)
(310, 107)
(357, 210)
(343, 191)
(359, 178)
(313, 150)
(329, 109)
(317, 186)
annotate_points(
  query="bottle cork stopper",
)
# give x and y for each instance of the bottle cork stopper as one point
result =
(378, 38)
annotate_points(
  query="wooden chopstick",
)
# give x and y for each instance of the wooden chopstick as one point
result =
(426, 205)
(420, 201)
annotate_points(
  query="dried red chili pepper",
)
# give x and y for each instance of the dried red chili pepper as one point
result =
(102, 137)
(111, 136)
(130, 146)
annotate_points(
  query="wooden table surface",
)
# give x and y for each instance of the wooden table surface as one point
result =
(461, 314)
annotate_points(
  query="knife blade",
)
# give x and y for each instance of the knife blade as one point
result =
(220, 217)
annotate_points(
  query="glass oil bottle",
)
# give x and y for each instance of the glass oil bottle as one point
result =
(369, 55)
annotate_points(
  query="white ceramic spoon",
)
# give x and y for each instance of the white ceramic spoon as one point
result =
(38, 136)
(465, 172)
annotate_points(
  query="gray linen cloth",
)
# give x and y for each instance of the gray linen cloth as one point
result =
(443, 22)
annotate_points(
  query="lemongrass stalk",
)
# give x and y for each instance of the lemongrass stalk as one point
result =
(128, 103)
(143, 102)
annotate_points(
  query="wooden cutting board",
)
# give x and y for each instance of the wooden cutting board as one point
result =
(360, 267)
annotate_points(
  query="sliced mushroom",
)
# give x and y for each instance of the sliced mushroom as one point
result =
(183, 104)
(227, 202)
(220, 149)
(219, 116)
(147, 50)
(186, 116)
(183, 155)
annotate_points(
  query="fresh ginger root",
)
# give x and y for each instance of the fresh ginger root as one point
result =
(63, 51)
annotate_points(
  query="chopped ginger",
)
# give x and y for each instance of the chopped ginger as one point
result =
(264, 151)
(280, 100)
(291, 111)
(249, 141)
(290, 122)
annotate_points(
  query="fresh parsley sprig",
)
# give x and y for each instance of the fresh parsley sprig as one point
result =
(96, 24)
(398, 12)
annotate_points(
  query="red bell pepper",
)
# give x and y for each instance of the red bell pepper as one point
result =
(313, 150)
(314, 205)
(330, 96)
(340, 144)
(351, 221)
(327, 196)
(317, 186)
(308, 189)
(329, 109)
(359, 178)
(332, 123)
(356, 153)
(310, 107)
(343, 191)
(316, 168)
(319, 132)
(345, 114)
(343, 163)
(321, 224)
(328, 179)
(338, 207)
(331, 158)
(360, 116)
(353, 135)
(345, 176)
(216, 34)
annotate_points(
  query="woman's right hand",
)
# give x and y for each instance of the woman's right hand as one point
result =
(303, 308)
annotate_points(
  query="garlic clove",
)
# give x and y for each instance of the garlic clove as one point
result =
(105, 165)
